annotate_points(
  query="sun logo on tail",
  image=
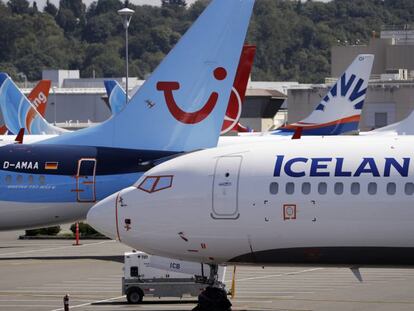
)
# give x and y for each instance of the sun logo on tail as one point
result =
(190, 117)
(233, 112)
(343, 88)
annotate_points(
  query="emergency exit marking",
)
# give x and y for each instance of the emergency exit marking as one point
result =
(289, 211)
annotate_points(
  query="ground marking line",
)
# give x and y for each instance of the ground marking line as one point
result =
(51, 249)
(274, 275)
(90, 303)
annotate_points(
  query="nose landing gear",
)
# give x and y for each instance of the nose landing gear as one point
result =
(214, 297)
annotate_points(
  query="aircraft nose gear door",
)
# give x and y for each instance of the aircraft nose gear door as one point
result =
(85, 180)
(226, 188)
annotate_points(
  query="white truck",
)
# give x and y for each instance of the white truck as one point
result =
(146, 275)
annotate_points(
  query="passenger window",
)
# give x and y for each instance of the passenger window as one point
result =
(391, 188)
(306, 188)
(31, 179)
(42, 180)
(372, 188)
(8, 179)
(322, 188)
(339, 188)
(274, 188)
(290, 188)
(409, 188)
(19, 179)
(355, 188)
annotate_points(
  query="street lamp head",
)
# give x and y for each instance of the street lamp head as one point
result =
(126, 15)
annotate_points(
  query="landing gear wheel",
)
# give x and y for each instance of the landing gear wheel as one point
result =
(134, 295)
(213, 299)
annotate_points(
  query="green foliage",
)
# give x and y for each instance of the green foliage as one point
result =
(50, 8)
(19, 6)
(84, 230)
(293, 38)
(178, 3)
(53, 231)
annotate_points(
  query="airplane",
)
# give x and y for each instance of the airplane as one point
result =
(59, 179)
(116, 99)
(349, 93)
(19, 112)
(338, 112)
(403, 127)
(38, 98)
(304, 202)
(116, 94)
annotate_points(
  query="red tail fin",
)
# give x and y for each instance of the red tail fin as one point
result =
(39, 95)
(3, 130)
(242, 129)
(20, 136)
(239, 89)
(298, 133)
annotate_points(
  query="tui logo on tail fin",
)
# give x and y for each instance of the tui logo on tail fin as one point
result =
(190, 117)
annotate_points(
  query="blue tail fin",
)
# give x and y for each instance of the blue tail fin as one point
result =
(116, 96)
(18, 112)
(340, 109)
(181, 106)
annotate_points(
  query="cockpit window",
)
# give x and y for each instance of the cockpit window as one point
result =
(148, 184)
(156, 183)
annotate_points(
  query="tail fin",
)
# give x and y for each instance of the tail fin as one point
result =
(240, 128)
(238, 93)
(3, 130)
(403, 127)
(39, 96)
(340, 110)
(116, 96)
(19, 113)
(188, 92)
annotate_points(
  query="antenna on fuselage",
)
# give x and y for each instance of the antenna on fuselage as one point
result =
(20, 136)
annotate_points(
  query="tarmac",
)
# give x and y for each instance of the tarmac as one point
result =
(36, 274)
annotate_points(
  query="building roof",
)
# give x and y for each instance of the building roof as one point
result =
(253, 92)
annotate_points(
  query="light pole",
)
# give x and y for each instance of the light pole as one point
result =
(126, 15)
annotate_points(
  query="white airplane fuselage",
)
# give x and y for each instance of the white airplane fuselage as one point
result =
(342, 202)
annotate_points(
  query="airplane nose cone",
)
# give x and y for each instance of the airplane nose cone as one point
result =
(102, 217)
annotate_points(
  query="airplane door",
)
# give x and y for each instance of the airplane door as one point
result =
(85, 180)
(226, 188)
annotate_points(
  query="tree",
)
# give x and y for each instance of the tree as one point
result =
(19, 6)
(105, 6)
(99, 28)
(71, 16)
(77, 7)
(34, 7)
(179, 3)
(50, 8)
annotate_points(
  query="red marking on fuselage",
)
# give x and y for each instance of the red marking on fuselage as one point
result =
(190, 117)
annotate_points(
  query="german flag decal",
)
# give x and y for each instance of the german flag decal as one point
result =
(51, 165)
